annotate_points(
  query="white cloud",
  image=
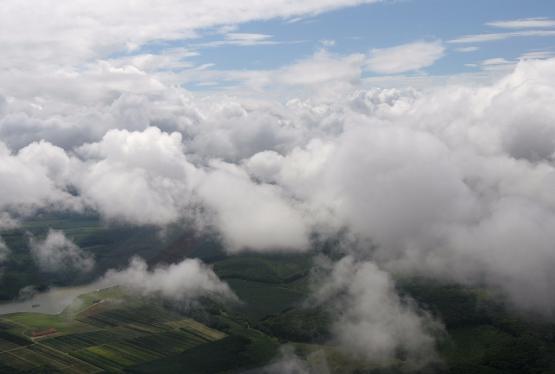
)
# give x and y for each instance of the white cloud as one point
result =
(327, 42)
(288, 362)
(253, 216)
(242, 39)
(481, 38)
(467, 49)
(136, 177)
(523, 23)
(184, 281)
(246, 38)
(57, 253)
(72, 32)
(495, 61)
(38, 164)
(373, 322)
(321, 68)
(537, 55)
(416, 172)
(405, 57)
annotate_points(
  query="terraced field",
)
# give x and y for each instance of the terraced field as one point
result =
(104, 336)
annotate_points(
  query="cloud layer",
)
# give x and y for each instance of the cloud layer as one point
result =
(454, 178)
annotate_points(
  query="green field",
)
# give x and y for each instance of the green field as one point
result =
(109, 335)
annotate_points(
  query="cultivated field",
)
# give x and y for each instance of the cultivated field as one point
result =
(105, 335)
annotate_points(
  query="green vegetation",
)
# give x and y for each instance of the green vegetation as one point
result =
(298, 325)
(110, 331)
(261, 299)
(275, 269)
(224, 355)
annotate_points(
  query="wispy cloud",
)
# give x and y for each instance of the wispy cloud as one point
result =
(406, 57)
(495, 61)
(493, 64)
(467, 49)
(327, 42)
(244, 40)
(537, 55)
(523, 23)
(480, 38)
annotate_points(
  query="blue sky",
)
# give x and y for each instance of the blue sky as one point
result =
(363, 28)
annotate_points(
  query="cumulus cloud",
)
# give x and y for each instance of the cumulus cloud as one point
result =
(58, 253)
(373, 322)
(253, 216)
(136, 177)
(413, 172)
(183, 281)
(38, 164)
(405, 57)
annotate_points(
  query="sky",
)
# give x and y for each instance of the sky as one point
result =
(271, 44)
(363, 28)
(419, 135)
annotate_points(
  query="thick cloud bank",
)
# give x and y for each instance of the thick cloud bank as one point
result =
(457, 178)
(454, 182)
